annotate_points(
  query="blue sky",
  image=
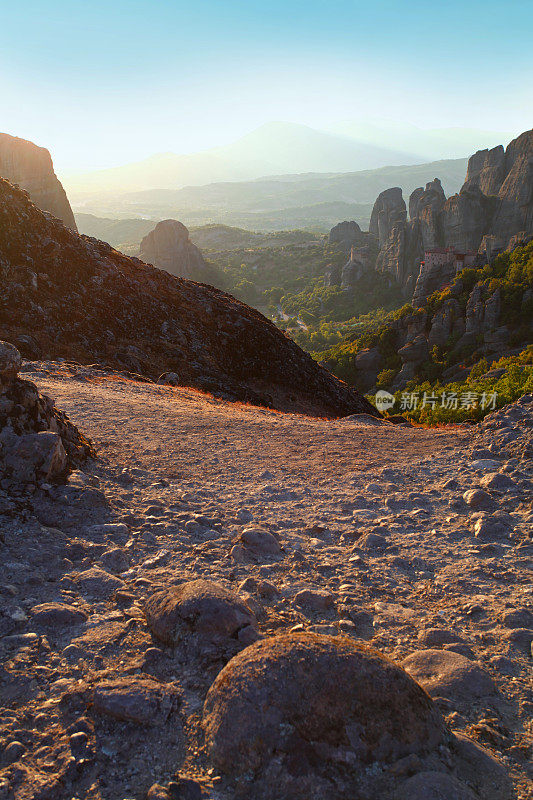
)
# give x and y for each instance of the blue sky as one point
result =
(105, 83)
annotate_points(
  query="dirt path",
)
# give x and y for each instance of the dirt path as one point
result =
(183, 433)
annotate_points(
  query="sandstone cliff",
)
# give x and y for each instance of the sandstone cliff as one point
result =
(74, 297)
(30, 167)
(168, 247)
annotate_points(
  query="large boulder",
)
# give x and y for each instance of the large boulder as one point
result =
(302, 704)
(203, 608)
(444, 673)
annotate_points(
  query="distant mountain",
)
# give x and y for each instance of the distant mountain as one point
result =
(314, 200)
(273, 148)
(443, 143)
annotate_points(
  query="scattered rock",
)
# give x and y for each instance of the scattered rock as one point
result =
(256, 543)
(478, 499)
(56, 615)
(434, 786)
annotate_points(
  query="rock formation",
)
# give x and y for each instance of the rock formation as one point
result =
(347, 235)
(168, 247)
(74, 297)
(389, 209)
(492, 212)
(30, 167)
(37, 442)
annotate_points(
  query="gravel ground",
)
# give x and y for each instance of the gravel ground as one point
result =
(407, 538)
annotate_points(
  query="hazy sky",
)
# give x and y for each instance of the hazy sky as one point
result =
(103, 83)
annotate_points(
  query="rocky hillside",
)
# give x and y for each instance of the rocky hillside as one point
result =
(169, 247)
(485, 313)
(30, 167)
(492, 212)
(77, 298)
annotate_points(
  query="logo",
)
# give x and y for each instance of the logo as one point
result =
(384, 400)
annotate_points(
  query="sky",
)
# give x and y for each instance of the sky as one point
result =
(104, 83)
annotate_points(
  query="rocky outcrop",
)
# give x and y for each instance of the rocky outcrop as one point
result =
(514, 213)
(486, 170)
(466, 218)
(78, 298)
(492, 212)
(30, 167)
(389, 209)
(168, 247)
(37, 442)
(347, 235)
(429, 207)
(432, 278)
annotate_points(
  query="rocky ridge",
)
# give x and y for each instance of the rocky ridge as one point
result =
(25, 164)
(78, 298)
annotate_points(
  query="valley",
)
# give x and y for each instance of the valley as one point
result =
(265, 473)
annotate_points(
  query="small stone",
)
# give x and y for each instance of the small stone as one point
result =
(259, 543)
(519, 618)
(317, 600)
(115, 560)
(497, 481)
(13, 752)
(447, 674)
(78, 742)
(158, 792)
(434, 786)
(437, 637)
(57, 615)
(139, 700)
(97, 583)
(490, 526)
(478, 499)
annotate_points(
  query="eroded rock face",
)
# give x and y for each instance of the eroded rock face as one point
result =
(388, 210)
(492, 212)
(78, 298)
(37, 442)
(293, 705)
(515, 210)
(30, 167)
(486, 170)
(168, 247)
(200, 607)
